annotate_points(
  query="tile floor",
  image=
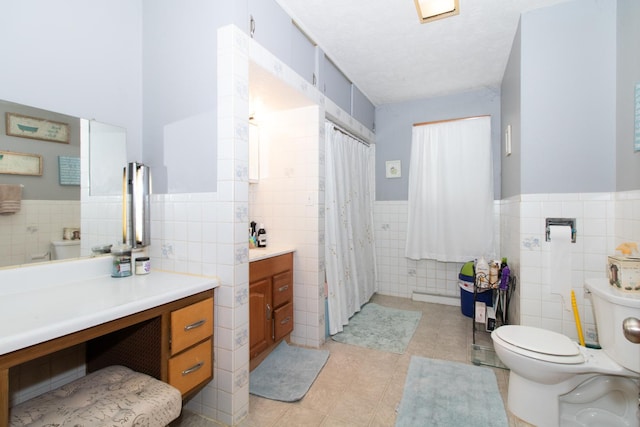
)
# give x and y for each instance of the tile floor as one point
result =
(362, 387)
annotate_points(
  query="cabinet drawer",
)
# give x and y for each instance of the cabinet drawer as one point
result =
(270, 266)
(282, 288)
(283, 321)
(191, 368)
(191, 324)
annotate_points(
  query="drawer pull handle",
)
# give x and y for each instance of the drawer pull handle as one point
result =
(283, 288)
(193, 368)
(195, 325)
(285, 320)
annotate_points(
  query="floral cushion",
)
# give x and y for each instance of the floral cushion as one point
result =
(113, 396)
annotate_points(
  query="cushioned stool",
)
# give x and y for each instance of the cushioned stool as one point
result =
(113, 396)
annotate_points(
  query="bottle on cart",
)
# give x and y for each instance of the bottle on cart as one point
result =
(262, 237)
(482, 273)
(494, 271)
(505, 272)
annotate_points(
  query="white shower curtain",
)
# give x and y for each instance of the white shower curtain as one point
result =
(349, 244)
(451, 191)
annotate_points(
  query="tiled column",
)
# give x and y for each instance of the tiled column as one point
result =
(232, 309)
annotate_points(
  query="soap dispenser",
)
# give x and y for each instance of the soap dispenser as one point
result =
(262, 237)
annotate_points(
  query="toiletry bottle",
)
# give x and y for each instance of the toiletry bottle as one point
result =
(262, 237)
(482, 273)
(253, 238)
(504, 275)
(494, 268)
(251, 244)
(503, 262)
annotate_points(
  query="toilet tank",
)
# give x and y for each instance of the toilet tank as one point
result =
(63, 249)
(611, 307)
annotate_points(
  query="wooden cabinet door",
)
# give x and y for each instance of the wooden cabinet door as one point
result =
(260, 315)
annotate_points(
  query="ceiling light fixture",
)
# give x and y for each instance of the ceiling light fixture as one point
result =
(431, 10)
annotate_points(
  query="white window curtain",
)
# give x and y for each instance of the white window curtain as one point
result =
(349, 242)
(451, 191)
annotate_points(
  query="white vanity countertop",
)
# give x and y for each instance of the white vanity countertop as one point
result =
(31, 313)
(258, 254)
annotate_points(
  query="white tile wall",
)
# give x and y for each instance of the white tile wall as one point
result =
(510, 247)
(595, 224)
(402, 277)
(603, 221)
(627, 215)
(287, 200)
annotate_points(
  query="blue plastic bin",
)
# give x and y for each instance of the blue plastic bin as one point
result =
(466, 298)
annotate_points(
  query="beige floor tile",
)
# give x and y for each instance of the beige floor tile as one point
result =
(353, 407)
(333, 422)
(385, 416)
(264, 412)
(298, 416)
(322, 396)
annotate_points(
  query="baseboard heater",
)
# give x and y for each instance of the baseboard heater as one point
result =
(437, 299)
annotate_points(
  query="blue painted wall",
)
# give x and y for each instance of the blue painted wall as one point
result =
(394, 123)
(568, 87)
(628, 75)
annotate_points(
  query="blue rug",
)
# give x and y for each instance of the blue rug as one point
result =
(450, 394)
(380, 328)
(287, 373)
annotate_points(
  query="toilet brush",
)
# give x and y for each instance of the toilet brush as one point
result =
(576, 315)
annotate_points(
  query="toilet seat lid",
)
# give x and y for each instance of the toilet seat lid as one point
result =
(538, 340)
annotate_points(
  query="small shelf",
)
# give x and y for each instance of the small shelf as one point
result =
(486, 355)
(500, 301)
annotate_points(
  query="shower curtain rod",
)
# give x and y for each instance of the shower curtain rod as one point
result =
(339, 129)
(450, 120)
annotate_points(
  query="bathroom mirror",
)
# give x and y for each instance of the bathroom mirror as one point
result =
(79, 185)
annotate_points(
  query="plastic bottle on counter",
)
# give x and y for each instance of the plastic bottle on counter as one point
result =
(121, 263)
(262, 237)
(482, 273)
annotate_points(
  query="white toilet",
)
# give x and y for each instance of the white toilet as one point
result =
(64, 249)
(555, 382)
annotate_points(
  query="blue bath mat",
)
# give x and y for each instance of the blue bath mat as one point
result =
(438, 393)
(380, 328)
(287, 373)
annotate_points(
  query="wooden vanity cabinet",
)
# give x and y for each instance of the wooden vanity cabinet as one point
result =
(270, 305)
(173, 343)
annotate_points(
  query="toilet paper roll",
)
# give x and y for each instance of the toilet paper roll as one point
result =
(560, 263)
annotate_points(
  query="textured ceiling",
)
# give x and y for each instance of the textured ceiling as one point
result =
(383, 49)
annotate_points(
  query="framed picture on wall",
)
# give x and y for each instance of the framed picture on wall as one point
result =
(69, 170)
(35, 128)
(20, 163)
(393, 169)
